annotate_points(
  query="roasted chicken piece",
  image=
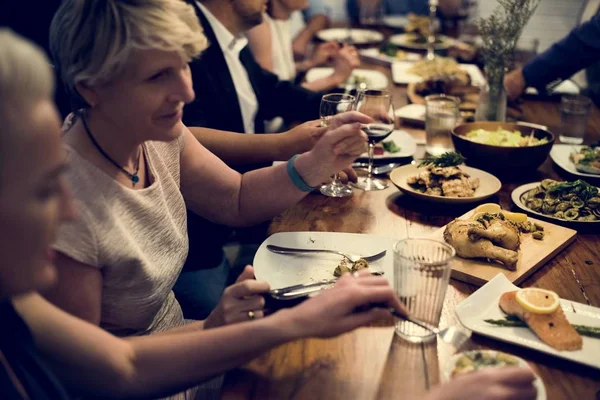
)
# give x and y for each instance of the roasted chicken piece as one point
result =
(500, 232)
(553, 329)
(444, 181)
(462, 186)
(457, 235)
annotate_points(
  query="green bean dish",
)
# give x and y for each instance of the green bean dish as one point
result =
(570, 201)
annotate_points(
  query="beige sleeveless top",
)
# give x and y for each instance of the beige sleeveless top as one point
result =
(136, 238)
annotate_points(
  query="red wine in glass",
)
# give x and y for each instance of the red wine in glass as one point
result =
(377, 132)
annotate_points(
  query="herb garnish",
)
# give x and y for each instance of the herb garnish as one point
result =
(582, 189)
(511, 321)
(449, 159)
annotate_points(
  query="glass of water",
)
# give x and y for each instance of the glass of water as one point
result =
(421, 274)
(574, 112)
(332, 104)
(441, 115)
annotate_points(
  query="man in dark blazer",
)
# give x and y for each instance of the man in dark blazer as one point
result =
(216, 105)
(233, 93)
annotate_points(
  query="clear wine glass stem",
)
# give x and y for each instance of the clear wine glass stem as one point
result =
(336, 179)
(370, 167)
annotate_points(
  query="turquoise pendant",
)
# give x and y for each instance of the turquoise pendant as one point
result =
(135, 179)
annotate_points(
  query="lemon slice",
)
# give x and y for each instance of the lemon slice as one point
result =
(491, 208)
(515, 217)
(538, 301)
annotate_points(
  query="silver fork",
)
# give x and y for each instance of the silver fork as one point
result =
(350, 257)
(304, 289)
(451, 335)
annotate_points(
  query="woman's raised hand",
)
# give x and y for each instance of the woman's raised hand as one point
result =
(240, 302)
(343, 142)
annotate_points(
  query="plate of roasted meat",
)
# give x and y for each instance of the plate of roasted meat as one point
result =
(458, 86)
(535, 318)
(444, 179)
(489, 240)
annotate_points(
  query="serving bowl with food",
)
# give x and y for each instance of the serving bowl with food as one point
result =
(578, 160)
(587, 159)
(526, 317)
(574, 204)
(404, 72)
(503, 146)
(476, 360)
(444, 179)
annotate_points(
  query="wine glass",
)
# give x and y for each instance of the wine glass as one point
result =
(332, 104)
(376, 104)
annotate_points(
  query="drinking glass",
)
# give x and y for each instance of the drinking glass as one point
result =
(332, 104)
(371, 12)
(376, 104)
(574, 112)
(421, 274)
(441, 115)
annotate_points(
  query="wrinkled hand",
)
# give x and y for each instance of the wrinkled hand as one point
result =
(303, 137)
(237, 300)
(348, 175)
(336, 150)
(514, 84)
(324, 52)
(505, 383)
(345, 61)
(300, 47)
(344, 307)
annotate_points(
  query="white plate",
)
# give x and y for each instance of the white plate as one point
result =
(489, 185)
(357, 36)
(375, 55)
(414, 113)
(483, 304)
(565, 87)
(281, 270)
(404, 140)
(404, 40)
(451, 364)
(375, 79)
(395, 21)
(517, 196)
(401, 75)
(560, 155)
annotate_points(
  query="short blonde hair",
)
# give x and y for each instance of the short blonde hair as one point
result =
(25, 78)
(92, 40)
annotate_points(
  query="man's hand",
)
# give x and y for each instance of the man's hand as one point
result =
(345, 61)
(301, 138)
(324, 52)
(514, 84)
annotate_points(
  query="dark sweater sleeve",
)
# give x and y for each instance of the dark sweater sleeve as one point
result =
(575, 52)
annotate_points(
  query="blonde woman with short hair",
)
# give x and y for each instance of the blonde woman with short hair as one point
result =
(135, 168)
(46, 353)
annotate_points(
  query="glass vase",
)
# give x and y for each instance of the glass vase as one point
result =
(492, 98)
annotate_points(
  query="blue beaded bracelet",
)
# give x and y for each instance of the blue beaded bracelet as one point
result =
(296, 178)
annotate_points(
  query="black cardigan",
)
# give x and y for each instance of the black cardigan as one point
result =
(216, 105)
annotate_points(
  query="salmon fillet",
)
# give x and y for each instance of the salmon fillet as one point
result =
(553, 329)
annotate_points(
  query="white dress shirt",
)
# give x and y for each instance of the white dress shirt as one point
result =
(281, 48)
(231, 47)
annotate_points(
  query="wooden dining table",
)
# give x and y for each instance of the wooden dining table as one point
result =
(373, 363)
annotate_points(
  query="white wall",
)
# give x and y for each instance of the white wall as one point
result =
(552, 21)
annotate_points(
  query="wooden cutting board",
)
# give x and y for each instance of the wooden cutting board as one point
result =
(533, 254)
